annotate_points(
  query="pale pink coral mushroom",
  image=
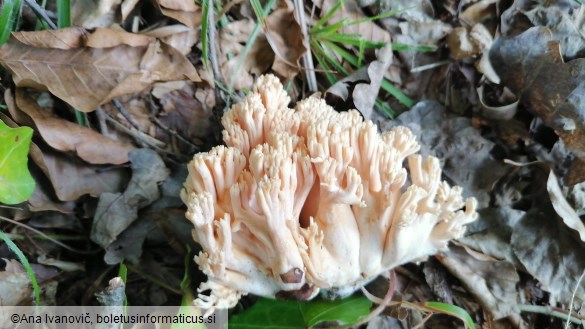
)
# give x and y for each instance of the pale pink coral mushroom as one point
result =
(307, 199)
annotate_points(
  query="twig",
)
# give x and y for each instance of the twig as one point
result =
(428, 66)
(548, 310)
(307, 56)
(101, 116)
(573, 298)
(40, 11)
(125, 114)
(174, 133)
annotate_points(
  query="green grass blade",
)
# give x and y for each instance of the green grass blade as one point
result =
(351, 58)
(63, 13)
(381, 16)
(319, 55)
(326, 30)
(204, 29)
(329, 56)
(397, 46)
(385, 108)
(249, 45)
(258, 11)
(452, 310)
(327, 16)
(397, 93)
(9, 18)
(354, 40)
(31, 274)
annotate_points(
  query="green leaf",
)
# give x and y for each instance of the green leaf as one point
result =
(31, 274)
(277, 314)
(16, 183)
(9, 17)
(452, 310)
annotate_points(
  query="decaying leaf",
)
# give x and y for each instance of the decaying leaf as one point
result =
(87, 69)
(550, 252)
(467, 157)
(72, 178)
(184, 11)
(178, 36)
(532, 66)
(365, 82)
(350, 11)
(562, 207)
(92, 14)
(492, 282)
(116, 211)
(67, 136)
(14, 284)
(232, 40)
(284, 35)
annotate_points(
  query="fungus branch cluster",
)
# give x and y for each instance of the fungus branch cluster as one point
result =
(308, 199)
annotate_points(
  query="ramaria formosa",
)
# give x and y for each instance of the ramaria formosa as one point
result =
(306, 199)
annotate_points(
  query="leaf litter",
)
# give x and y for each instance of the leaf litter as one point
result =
(147, 87)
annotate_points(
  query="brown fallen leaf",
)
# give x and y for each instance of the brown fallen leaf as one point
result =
(178, 36)
(532, 66)
(186, 115)
(284, 35)
(66, 136)
(71, 178)
(116, 211)
(87, 69)
(350, 11)
(232, 40)
(14, 284)
(184, 11)
(43, 198)
(365, 83)
(492, 282)
(92, 14)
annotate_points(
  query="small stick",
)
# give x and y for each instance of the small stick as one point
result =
(307, 56)
(125, 114)
(41, 12)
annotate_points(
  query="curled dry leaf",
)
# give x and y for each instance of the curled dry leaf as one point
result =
(232, 39)
(116, 211)
(367, 82)
(184, 11)
(14, 284)
(350, 11)
(66, 136)
(42, 197)
(492, 282)
(87, 69)
(71, 178)
(532, 66)
(178, 36)
(562, 207)
(92, 14)
(505, 111)
(284, 35)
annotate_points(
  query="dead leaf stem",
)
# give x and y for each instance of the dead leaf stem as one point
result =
(308, 64)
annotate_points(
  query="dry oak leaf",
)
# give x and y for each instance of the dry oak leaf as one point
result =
(66, 136)
(532, 66)
(71, 178)
(87, 69)
(184, 11)
(284, 35)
